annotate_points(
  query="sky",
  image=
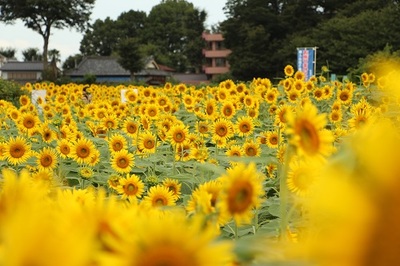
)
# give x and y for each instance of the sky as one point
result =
(67, 41)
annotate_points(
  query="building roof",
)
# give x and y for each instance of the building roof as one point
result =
(99, 66)
(22, 66)
(152, 72)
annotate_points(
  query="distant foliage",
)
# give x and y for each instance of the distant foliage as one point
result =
(10, 91)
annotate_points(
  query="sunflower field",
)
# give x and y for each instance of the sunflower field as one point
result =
(293, 173)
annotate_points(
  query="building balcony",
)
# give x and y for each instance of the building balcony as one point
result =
(215, 70)
(210, 37)
(216, 53)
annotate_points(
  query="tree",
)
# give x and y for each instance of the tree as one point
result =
(100, 39)
(130, 56)
(72, 61)
(43, 15)
(175, 28)
(54, 55)
(32, 54)
(8, 52)
(263, 42)
(103, 36)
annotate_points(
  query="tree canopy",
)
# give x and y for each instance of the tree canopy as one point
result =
(43, 15)
(171, 33)
(263, 35)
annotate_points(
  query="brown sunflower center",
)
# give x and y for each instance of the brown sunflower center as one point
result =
(251, 151)
(240, 197)
(309, 138)
(17, 151)
(130, 189)
(244, 127)
(83, 152)
(149, 144)
(29, 123)
(117, 146)
(122, 162)
(46, 160)
(222, 131)
(160, 201)
(166, 255)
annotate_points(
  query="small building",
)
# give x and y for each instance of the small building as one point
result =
(104, 68)
(22, 72)
(107, 69)
(215, 55)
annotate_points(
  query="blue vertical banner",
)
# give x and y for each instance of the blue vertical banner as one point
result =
(306, 61)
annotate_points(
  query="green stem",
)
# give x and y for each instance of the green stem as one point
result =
(284, 193)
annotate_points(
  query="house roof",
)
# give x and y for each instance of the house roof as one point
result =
(22, 66)
(152, 72)
(99, 66)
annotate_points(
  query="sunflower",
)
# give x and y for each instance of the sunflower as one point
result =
(273, 138)
(24, 100)
(14, 114)
(307, 134)
(249, 101)
(251, 148)
(28, 122)
(335, 116)
(178, 135)
(43, 175)
(174, 186)
(318, 94)
(131, 187)
(244, 126)
(271, 96)
(360, 119)
(222, 94)
(86, 172)
(122, 161)
(131, 128)
(207, 203)
(131, 96)
(301, 176)
(289, 70)
(147, 142)
(63, 148)
(281, 115)
(345, 96)
(241, 192)
(203, 127)
(162, 100)
(159, 196)
(222, 129)
(210, 107)
(114, 181)
(110, 122)
(293, 96)
(47, 159)
(152, 111)
(173, 240)
(48, 135)
(299, 75)
(117, 142)
(82, 151)
(235, 151)
(17, 150)
(228, 110)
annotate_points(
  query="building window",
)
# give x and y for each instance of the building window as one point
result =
(219, 46)
(220, 62)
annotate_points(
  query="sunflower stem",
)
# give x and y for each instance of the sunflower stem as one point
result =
(236, 231)
(283, 195)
